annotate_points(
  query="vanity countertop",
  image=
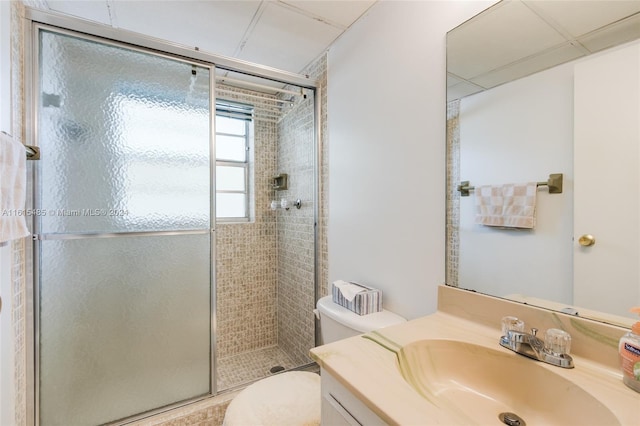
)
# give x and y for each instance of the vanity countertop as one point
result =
(368, 366)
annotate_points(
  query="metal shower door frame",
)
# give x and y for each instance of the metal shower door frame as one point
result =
(36, 20)
(37, 236)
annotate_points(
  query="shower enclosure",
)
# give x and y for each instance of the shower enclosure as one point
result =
(167, 268)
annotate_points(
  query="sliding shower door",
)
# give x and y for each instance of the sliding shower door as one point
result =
(124, 229)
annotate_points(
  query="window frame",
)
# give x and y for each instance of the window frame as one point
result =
(241, 112)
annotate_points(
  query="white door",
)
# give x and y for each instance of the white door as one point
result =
(607, 180)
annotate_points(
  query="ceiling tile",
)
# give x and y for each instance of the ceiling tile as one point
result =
(287, 40)
(579, 18)
(342, 12)
(452, 80)
(96, 11)
(509, 32)
(214, 26)
(285, 34)
(530, 66)
(461, 90)
(621, 32)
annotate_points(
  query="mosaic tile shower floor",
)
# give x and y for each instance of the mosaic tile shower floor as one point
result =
(248, 366)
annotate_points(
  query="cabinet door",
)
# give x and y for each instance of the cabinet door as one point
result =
(334, 414)
(607, 180)
(342, 408)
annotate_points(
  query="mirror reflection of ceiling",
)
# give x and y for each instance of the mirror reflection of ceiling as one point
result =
(517, 38)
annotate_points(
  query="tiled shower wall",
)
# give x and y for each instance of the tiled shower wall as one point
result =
(266, 275)
(453, 195)
(318, 70)
(265, 271)
(19, 296)
(247, 259)
(295, 233)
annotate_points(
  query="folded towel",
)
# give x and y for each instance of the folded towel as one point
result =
(508, 206)
(348, 290)
(13, 189)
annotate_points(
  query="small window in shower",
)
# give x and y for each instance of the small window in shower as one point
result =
(233, 135)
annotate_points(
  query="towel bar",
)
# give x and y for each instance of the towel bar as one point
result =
(33, 152)
(554, 183)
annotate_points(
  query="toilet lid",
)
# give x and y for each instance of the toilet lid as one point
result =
(361, 323)
(287, 399)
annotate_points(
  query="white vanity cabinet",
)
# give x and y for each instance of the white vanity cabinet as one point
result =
(341, 408)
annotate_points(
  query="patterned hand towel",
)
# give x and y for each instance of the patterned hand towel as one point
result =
(507, 206)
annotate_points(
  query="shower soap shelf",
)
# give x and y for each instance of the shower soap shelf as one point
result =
(281, 182)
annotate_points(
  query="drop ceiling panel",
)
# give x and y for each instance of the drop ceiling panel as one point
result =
(287, 34)
(96, 11)
(213, 26)
(461, 90)
(342, 13)
(511, 31)
(452, 80)
(287, 40)
(530, 66)
(606, 23)
(622, 32)
(589, 16)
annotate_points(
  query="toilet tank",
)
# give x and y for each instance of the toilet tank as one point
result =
(337, 322)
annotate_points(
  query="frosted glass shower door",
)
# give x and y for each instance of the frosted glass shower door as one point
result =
(124, 231)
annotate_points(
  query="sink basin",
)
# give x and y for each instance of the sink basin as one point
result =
(477, 384)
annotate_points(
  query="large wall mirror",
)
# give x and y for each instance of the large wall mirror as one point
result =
(537, 88)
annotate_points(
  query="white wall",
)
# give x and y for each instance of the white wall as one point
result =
(386, 131)
(520, 132)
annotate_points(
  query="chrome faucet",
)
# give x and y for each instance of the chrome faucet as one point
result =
(555, 350)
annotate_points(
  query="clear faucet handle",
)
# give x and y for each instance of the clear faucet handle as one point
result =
(511, 323)
(557, 342)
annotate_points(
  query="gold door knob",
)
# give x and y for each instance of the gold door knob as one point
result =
(587, 240)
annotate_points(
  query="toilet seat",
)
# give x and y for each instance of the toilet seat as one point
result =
(291, 398)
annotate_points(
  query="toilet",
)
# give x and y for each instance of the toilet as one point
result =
(293, 398)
